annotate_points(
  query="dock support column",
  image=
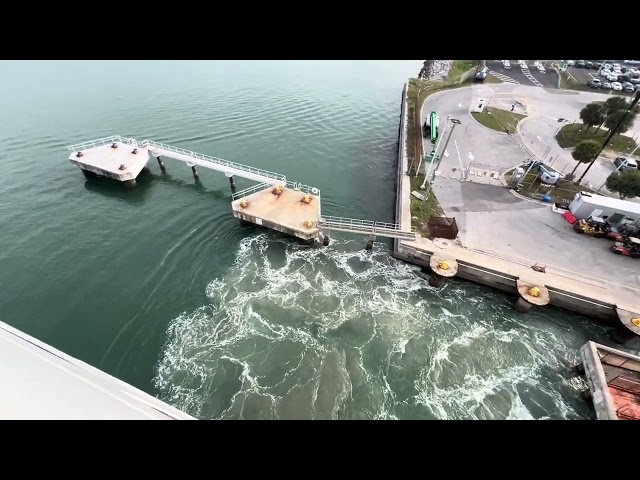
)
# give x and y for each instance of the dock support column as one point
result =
(232, 182)
(88, 174)
(370, 241)
(161, 163)
(193, 169)
(130, 183)
(530, 295)
(325, 240)
(629, 327)
(441, 269)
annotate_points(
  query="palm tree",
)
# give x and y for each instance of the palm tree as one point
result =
(585, 152)
(593, 114)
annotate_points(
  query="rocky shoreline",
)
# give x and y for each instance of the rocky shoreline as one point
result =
(435, 69)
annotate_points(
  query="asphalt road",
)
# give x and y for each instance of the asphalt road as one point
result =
(493, 219)
(548, 80)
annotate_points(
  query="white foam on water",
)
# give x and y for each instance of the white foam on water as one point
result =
(335, 333)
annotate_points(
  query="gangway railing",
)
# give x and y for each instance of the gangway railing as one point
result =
(223, 165)
(188, 156)
(352, 225)
(250, 190)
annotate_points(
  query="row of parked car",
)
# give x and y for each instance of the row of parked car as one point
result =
(615, 86)
(617, 77)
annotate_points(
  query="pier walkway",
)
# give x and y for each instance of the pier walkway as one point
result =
(390, 230)
(101, 146)
(275, 202)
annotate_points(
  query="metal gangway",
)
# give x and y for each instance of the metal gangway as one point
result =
(352, 225)
(189, 157)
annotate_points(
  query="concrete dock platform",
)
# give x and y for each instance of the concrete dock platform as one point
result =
(120, 163)
(613, 377)
(287, 212)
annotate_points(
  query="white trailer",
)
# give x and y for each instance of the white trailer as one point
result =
(619, 212)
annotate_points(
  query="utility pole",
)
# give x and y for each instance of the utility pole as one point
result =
(635, 101)
(454, 122)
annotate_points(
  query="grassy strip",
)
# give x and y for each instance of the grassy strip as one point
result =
(431, 208)
(417, 92)
(568, 83)
(571, 135)
(532, 187)
(498, 119)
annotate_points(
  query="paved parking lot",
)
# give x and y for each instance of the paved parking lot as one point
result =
(548, 80)
(583, 75)
(492, 219)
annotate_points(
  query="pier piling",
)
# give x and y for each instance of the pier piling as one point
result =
(232, 182)
(629, 327)
(441, 269)
(370, 241)
(530, 295)
(161, 163)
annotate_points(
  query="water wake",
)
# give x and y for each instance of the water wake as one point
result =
(300, 332)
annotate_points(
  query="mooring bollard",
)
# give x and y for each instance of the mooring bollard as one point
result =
(441, 269)
(530, 295)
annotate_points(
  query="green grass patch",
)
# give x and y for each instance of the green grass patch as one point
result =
(571, 135)
(431, 208)
(567, 82)
(498, 119)
(532, 187)
(460, 67)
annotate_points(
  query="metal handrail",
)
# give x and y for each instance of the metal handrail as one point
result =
(96, 143)
(365, 226)
(208, 158)
(215, 160)
(250, 190)
(304, 188)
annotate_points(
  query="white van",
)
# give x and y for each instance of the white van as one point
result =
(623, 163)
(506, 64)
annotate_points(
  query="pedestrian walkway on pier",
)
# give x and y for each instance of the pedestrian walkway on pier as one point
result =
(275, 202)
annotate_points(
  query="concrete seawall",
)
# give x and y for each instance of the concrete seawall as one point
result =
(402, 159)
(596, 300)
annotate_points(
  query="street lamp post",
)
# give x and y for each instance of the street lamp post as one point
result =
(454, 122)
(435, 153)
(612, 133)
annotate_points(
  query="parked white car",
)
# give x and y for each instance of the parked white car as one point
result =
(617, 86)
(570, 63)
(605, 72)
(612, 77)
(506, 64)
(523, 64)
(541, 68)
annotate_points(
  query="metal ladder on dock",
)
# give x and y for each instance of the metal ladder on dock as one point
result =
(367, 227)
(190, 157)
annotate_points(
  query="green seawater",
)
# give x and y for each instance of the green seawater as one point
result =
(163, 288)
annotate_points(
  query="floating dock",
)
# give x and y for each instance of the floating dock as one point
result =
(613, 377)
(112, 158)
(292, 210)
